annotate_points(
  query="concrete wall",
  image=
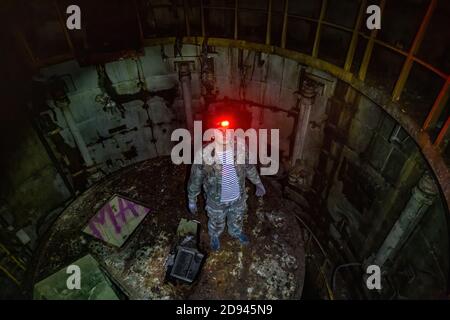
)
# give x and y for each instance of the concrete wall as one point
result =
(31, 188)
(362, 165)
(367, 170)
(361, 172)
(118, 137)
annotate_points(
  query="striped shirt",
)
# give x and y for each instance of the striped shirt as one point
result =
(230, 182)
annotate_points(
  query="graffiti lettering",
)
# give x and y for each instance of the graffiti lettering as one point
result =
(115, 220)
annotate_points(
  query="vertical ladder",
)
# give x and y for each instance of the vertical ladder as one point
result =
(13, 267)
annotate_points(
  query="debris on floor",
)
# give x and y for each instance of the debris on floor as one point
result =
(185, 261)
(272, 266)
(81, 280)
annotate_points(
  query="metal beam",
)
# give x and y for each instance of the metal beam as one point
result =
(186, 17)
(236, 16)
(438, 106)
(369, 48)
(269, 22)
(10, 275)
(443, 134)
(354, 41)
(139, 21)
(406, 69)
(323, 8)
(64, 28)
(32, 60)
(202, 16)
(285, 21)
(438, 72)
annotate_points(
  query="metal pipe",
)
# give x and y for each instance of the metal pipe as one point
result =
(308, 94)
(312, 235)
(185, 79)
(423, 196)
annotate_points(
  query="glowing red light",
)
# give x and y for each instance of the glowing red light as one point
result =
(224, 123)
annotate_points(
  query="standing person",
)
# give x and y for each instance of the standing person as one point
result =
(223, 184)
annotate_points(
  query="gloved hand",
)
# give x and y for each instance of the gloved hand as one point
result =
(192, 207)
(260, 190)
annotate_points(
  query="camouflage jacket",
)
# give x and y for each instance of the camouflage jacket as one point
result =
(210, 177)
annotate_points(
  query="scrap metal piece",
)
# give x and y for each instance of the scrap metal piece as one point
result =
(186, 260)
(116, 220)
(94, 284)
(187, 227)
(187, 264)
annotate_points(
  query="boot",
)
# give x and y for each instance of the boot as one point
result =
(215, 243)
(243, 239)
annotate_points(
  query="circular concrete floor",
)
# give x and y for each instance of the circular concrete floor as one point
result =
(272, 266)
